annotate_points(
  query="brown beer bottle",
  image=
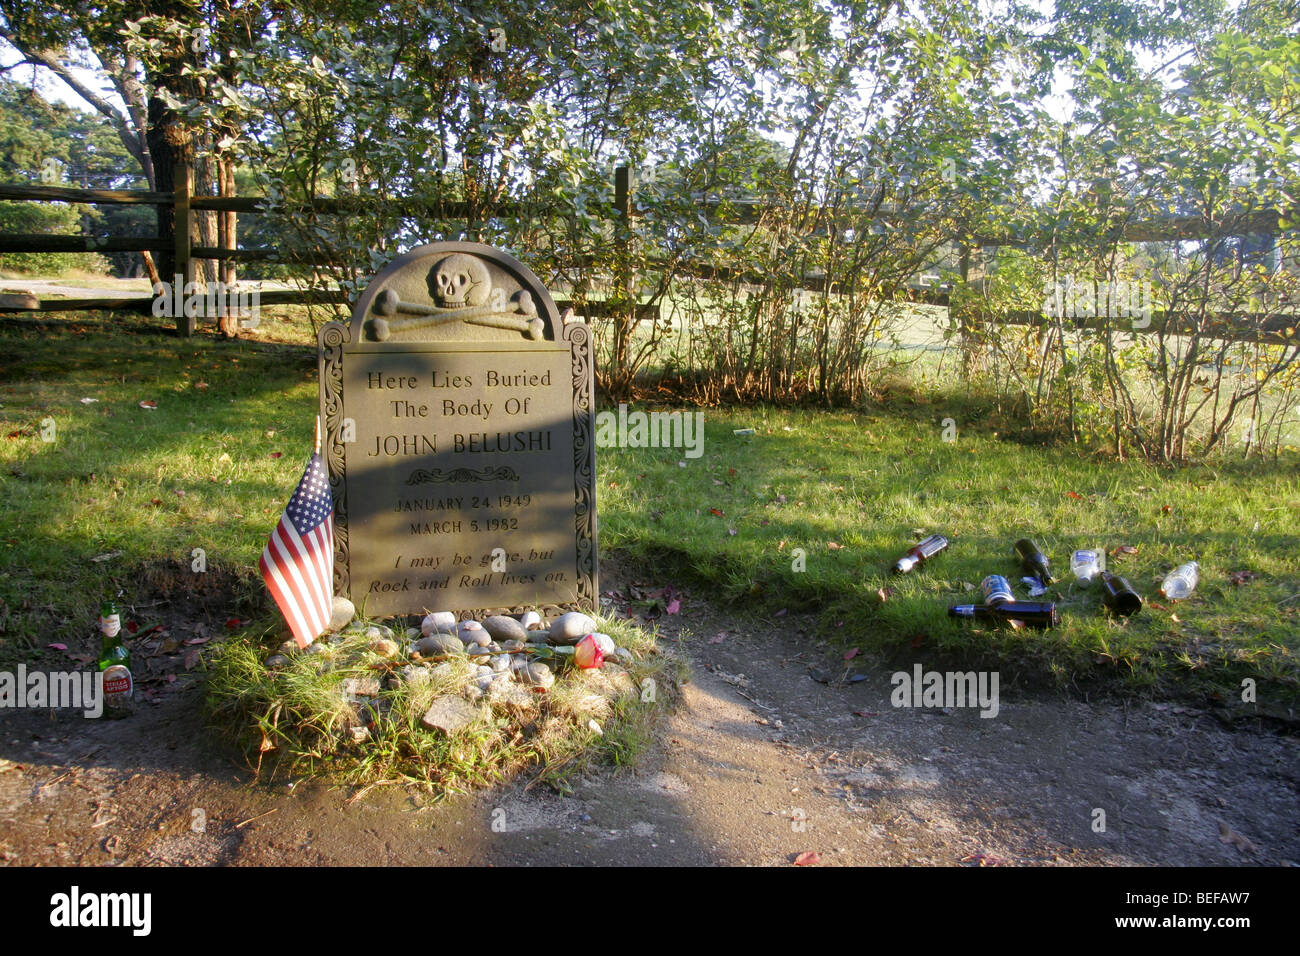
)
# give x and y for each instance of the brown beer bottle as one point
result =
(1118, 595)
(921, 551)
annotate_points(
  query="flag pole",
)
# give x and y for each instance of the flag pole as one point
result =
(318, 434)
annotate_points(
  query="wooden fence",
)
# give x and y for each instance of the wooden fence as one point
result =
(184, 205)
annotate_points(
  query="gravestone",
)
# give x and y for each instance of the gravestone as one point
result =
(457, 413)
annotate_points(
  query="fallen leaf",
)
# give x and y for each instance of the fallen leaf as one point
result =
(851, 653)
(197, 640)
(1241, 577)
(1229, 835)
(150, 403)
(984, 859)
(200, 385)
(781, 613)
(715, 511)
(277, 454)
(1165, 509)
(1158, 607)
(1075, 495)
(834, 545)
(191, 658)
(57, 647)
(673, 606)
(232, 623)
(885, 594)
(132, 627)
(1125, 549)
(807, 858)
(155, 501)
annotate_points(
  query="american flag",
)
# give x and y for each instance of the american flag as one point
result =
(298, 561)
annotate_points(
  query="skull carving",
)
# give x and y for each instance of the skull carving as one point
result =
(459, 281)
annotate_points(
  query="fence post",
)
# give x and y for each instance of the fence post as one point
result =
(182, 223)
(625, 318)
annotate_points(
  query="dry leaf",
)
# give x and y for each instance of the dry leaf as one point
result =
(1075, 495)
(885, 594)
(191, 658)
(834, 545)
(1229, 835)
(673, 606)
(717, 513)
(851, 653)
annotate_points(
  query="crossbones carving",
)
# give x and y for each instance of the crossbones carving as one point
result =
(521, 314)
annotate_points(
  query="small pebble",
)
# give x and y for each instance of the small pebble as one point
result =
(277, 660)
(530, 619)
(436, 644)
(537, 674)
(570, 628)
(443, 621)
(504, 628)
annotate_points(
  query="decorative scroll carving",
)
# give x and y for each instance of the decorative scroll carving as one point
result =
(422, 476)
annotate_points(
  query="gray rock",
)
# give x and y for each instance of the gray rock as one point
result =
(449, 714)
(518, 662)
(415, 674)
(485, 671)
(512, 646)
(473, 692)
(570, 628)
(530, 619)
(361, 687)
(624, 655)
(505, 692)
(500, 663)
(470, 630)
(288, 648)
(438, 622)
(413, 633)
(504, 628)
(342, 612)
(277, 660)
(442, 670)
(538, 675)
(315, 647)
(438, 644)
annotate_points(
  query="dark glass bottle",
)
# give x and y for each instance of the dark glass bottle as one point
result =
(1034, 561)
(921, 551)
(1032, 613)
(1118, 595)
(115, 663)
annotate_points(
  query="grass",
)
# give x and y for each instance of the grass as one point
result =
(295, 718)
(810, 512)
(212, 466)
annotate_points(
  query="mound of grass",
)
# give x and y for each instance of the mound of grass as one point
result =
(299, 719)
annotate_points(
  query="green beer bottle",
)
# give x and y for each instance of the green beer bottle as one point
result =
(114, 663)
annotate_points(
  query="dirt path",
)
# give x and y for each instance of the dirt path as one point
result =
(758, 763)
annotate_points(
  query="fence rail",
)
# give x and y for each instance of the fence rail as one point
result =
(184, 205)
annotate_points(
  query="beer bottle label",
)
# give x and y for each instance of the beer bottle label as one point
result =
(111, 625)
(118, 686)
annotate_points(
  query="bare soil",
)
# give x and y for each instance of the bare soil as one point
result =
(757, 763)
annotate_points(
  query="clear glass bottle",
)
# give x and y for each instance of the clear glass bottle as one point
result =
(1084, 565)
(1181, 581)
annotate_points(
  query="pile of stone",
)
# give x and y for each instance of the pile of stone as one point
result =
(496, 659)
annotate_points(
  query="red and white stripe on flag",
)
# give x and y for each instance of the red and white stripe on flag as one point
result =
(298, 560)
